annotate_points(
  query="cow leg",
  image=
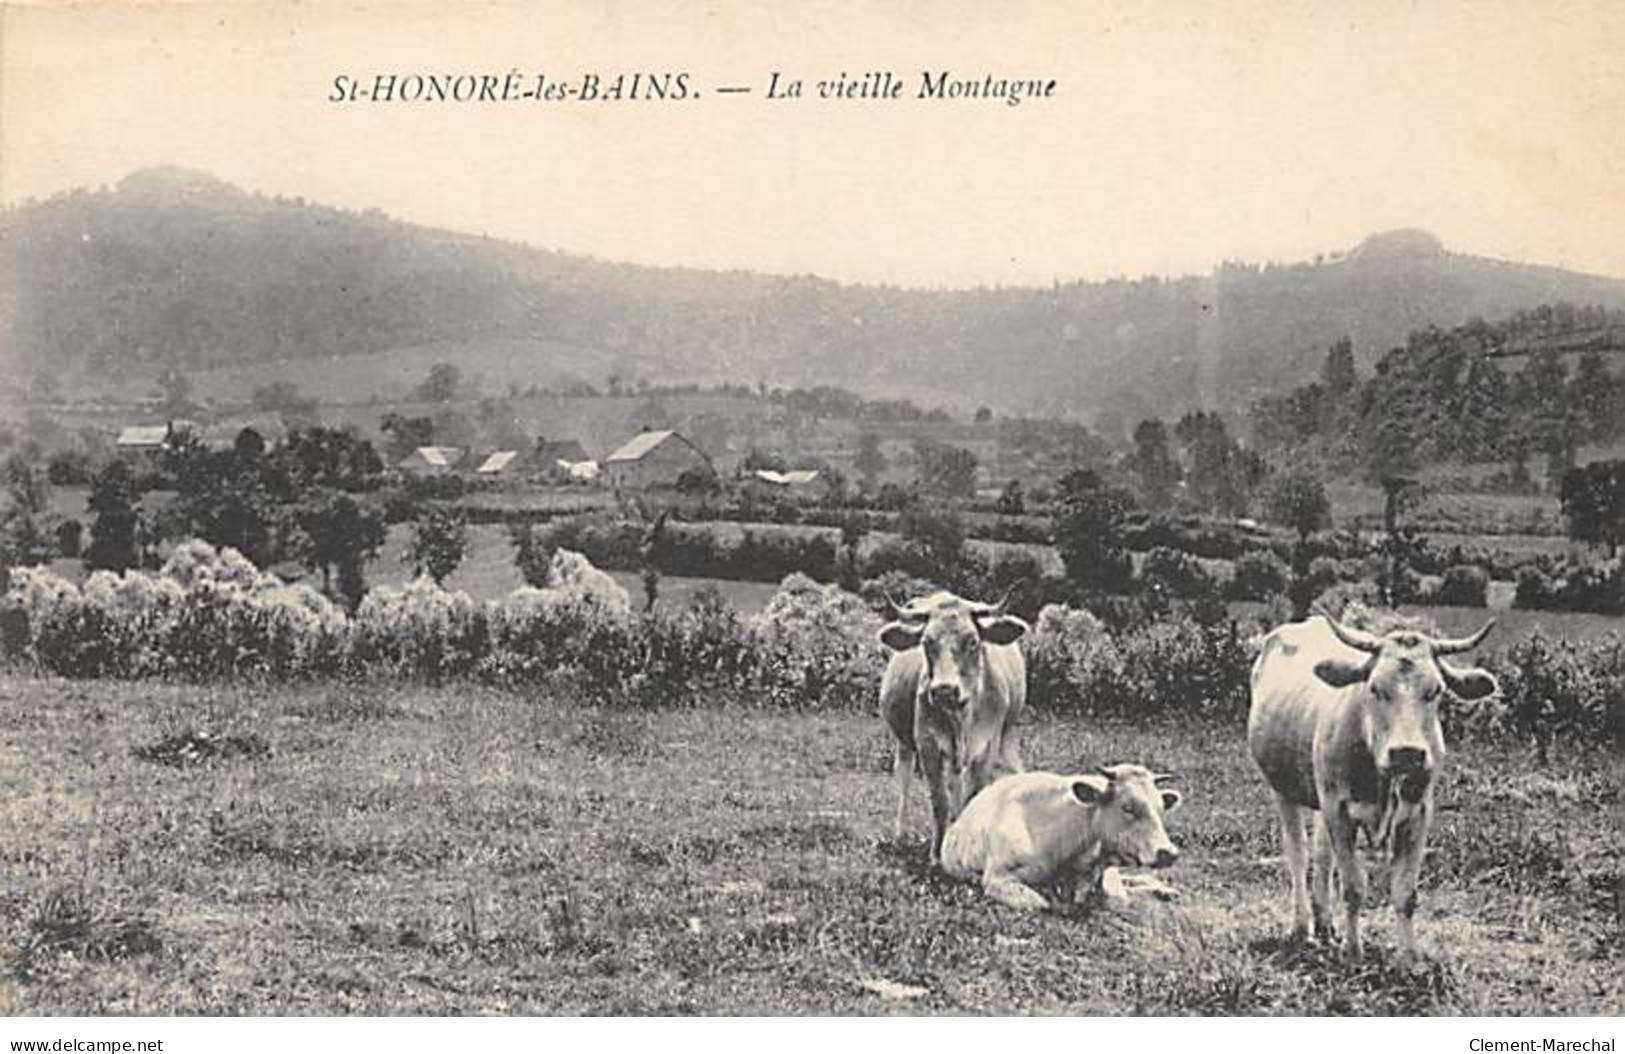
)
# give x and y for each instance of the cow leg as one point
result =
(1320, 890)
(1296, 853)
(1340, 829)
(937, 776)
(1010, 890)
(974, 777)
(1410, 844)
(902, 771)
(1010, 754)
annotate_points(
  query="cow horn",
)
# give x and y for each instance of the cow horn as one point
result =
(904, 611)
(1162, 777)
(988, 610)
(1451, 645)
(1357, 639)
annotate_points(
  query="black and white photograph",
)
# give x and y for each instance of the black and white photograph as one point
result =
(824, 509)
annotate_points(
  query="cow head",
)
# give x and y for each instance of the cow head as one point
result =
(1401, 681)
(951, 631)
(1129, 807)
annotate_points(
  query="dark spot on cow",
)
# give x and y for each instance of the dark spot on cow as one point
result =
(1365, 784)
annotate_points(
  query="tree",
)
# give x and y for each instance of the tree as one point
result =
(439, 543)
(1088, 531)
(340, 534)
(1593, 498)
(1591, 394)
(441, 385)
(1338, 375)
(113, 545)
(936, 534)
(983, 415)
(1297, 499)
(532, 554)
(1012, 499)
(870, 461)
(333, 458)
(1156, 467)
(405, 434)
(946, 470)
(854, 526)
(25, 531)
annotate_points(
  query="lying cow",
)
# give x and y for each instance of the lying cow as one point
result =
(1347, 723)
(1038, 830)
(954, 686)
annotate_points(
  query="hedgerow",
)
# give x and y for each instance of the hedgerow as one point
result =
(210, 615)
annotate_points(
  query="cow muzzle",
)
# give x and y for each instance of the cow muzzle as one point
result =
(1404, 760)
(1166, 857)
(1408, 770)
(943, 695)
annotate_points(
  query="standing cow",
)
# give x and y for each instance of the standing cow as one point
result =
(951, 693)
(1347, 723)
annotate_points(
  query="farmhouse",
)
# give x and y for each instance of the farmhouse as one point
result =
(801, 483)
(654, 459)
(431, 460)
(150, 439)
(499, 464)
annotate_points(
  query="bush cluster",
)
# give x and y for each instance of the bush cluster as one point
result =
(209, 615)
(1554, 586)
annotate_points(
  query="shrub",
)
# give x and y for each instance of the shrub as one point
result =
(1553, 688)
(1180, 574)
(1463, 586)
(1258, 576)
(210, 615)
(1535, 591)
(439, 543)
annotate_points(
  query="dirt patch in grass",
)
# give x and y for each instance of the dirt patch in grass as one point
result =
(67, 924)
(196, 748)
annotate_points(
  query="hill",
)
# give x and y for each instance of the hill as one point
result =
(176, 268)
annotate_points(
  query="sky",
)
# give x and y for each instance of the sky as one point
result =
(1179, 134)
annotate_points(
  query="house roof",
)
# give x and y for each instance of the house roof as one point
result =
(143, 436)
(497, 461)
(435, 456)
(639, 446)
(794, 478)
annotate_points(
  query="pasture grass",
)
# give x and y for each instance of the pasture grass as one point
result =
(387, 849)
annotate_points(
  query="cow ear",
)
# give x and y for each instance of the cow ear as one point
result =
(1005, 629)
(1091, 790)
(1171, 800)
(900, 636)
(1471, 683)
(1340, 674)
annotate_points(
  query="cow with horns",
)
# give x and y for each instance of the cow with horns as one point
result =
(1346, 723)
(952, 691)
(1038, 832)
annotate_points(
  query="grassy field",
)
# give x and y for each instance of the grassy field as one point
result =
(381, 849)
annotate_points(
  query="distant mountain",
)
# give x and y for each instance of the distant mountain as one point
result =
(173, 267)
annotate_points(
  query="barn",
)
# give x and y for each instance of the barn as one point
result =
(654, 459)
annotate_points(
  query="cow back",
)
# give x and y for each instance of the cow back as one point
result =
(1290, 703)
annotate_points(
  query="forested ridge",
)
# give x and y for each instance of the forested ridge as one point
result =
(175, 268)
